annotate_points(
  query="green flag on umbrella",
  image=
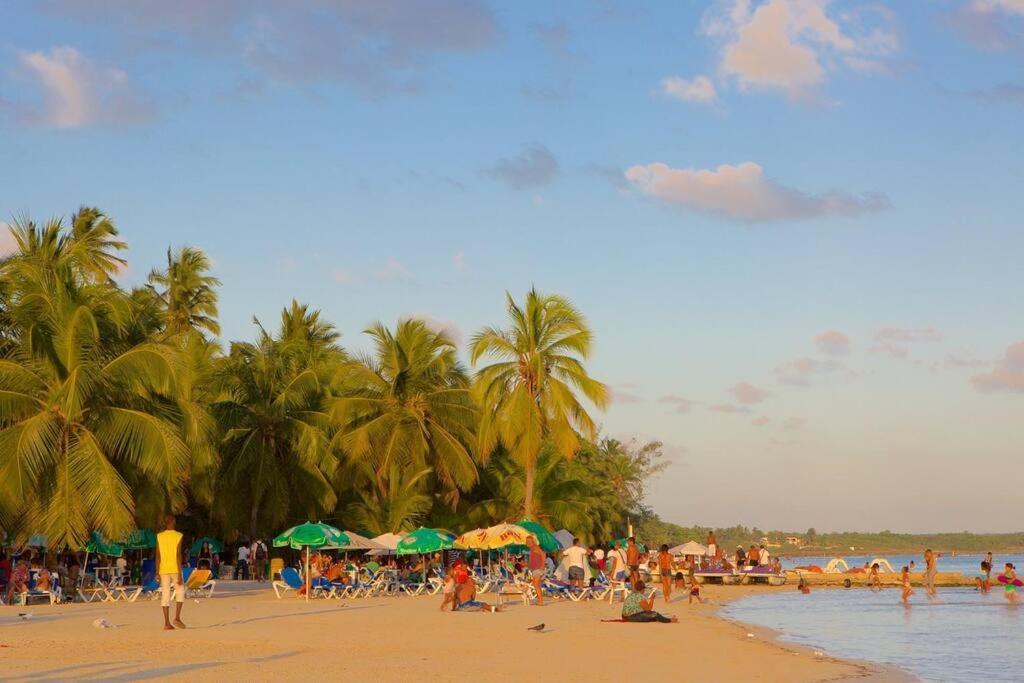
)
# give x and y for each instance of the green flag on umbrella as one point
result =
(140, 539)
(311, 535)
(215, 545)
(423, 541)
(545, 539)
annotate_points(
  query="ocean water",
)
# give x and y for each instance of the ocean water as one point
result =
(964, 635)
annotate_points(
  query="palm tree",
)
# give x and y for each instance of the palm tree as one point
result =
(529, 394)
(400, 505)
(565, 494)
(275, 455)
(81, 415)
(409, 406)
(186, 294)
(94, 245)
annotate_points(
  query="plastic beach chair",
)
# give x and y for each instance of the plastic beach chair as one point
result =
(198, 584)
(290, 581)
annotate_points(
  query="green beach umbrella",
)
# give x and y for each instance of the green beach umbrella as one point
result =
(215, 545)
(545, 539)
(311, 535)
(101, 546)
(140, 539)
(424, 541)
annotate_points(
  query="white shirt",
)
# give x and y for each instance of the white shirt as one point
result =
(576, 556)
(599, 554)
(122, 565)
(243, 553)
(618, 559)
(763, 559)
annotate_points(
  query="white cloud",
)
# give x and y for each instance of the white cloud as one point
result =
(1008, 374)
(620, 395)
(459, 261)
(77, 92)
(683, 405)
(534, 167)
(760, 421)
(995, 25)
(449, 328)
(393, 270)
(743, 193)
(908, 335)
(343, 277)
(698, 89)
(793, 45)
(729, 409)
(7, 243)
(748, 394)
(833, 342)
(801, 372)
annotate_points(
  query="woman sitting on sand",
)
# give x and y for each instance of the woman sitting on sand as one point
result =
(636, 609)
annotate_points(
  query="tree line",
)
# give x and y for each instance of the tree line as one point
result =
(118, 405)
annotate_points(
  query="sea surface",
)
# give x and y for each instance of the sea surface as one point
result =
(964, 635)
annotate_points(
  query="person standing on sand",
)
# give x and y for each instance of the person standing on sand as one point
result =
(168, 562)
(665, 570)
(535, 563)
(929, 572)
(633, 560)
(712, 545)
(577, 558)
(259, 560)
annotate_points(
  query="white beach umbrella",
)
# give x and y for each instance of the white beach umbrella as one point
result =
(564, 537)
(388, 544)
(357, 542)
(689, 548)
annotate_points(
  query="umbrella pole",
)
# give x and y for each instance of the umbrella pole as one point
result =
(307, 573)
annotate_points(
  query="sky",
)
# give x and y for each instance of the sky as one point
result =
(794, 225)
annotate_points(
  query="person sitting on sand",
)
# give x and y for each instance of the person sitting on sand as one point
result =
(448, 592)
(466, 600)
(636, 609)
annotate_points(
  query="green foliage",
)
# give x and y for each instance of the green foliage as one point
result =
(117, 406)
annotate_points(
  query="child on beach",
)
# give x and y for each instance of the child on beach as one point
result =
(984, 577)
(694, 591)
(1010, 589)
(907, 590)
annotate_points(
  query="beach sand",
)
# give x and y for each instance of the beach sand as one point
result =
(244, 632)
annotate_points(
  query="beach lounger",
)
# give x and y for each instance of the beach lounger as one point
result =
(290, 581)
(198, 583)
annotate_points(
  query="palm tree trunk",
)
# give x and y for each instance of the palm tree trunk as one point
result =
(528, 492)
(253, 515)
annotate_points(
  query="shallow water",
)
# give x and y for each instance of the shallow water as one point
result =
(965, 564)
(962, 636)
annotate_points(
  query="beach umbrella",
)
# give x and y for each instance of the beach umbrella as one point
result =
(101, 546)
(493, 538)
(310, 535)
(140, 539)
(545, 539)
(689, 548)
(355, 542)
(423, 541)
(564, 537)
(215, 545)
(388, 543)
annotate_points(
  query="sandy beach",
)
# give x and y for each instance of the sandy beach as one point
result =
(244, 631)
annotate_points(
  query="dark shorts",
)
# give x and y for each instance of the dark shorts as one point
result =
(634, 567)
(575, 572)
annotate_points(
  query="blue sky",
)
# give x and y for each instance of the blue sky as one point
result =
(795, 221)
